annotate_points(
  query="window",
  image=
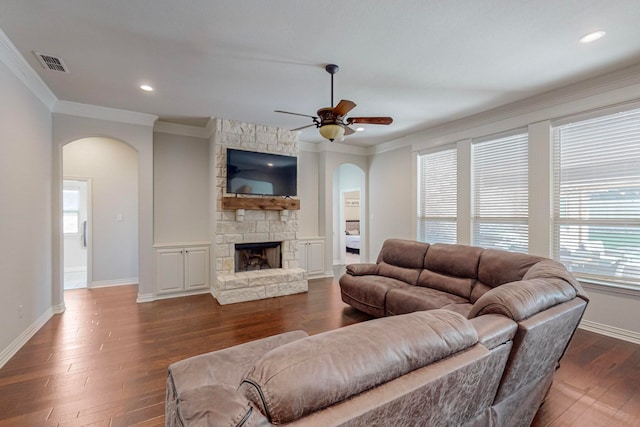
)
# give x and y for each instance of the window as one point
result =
(437, 196)
(70, 211)
(500, 193)
(597, 197)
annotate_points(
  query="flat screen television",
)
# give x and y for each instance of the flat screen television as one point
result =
(250, 172)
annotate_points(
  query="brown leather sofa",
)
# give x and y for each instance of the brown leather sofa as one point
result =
(427, 365)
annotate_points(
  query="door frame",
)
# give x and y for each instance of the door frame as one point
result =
(89, 236)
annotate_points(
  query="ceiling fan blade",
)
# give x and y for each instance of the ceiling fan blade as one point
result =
(348, 130)
(295, 114)
(303, 127)
(370, 120)
(344, 107)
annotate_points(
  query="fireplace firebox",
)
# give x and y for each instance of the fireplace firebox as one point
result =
(258, 256)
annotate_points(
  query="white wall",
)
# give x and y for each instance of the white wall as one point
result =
(391, 194)
(308, 193)
(180, 188)
(25, 213)
(113, 168)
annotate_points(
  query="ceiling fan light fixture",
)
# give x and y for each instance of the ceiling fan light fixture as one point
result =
(332, 131)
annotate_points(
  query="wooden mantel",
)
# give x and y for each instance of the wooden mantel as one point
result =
(260, 203)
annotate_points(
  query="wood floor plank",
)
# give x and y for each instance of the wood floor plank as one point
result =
(103, 362)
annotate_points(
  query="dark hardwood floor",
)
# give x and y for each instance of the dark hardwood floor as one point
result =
(104, 361)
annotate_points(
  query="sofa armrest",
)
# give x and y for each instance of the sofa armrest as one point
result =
(494, 330)
(362, 269)
(215, 405)
(524, 298)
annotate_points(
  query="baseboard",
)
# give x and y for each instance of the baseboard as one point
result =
(610, 331)
(116, 282)
(145, 298)
(142, 298)
(25, 336)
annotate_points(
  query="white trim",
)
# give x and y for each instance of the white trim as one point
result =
(610, 331)
(25, 336)
(180, 244)
(104, 113)
(58, 308)
(19, 66)
(150, 297)
(183, 130)
(142, 298)
(111, 283)
(332, 147)
(613, 288)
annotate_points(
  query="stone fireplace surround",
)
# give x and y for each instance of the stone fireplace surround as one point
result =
(255, 226)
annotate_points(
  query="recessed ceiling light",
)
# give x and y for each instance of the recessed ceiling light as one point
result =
(146, 88)
(591, 37)
(360, 129)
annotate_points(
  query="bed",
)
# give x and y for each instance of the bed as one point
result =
(353, 236)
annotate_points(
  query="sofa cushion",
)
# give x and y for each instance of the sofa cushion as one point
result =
(216, 405)
(367, 293)
(303, 377)
(497, 267)
(403, 253)
(453, 260)
(408, 299)
(460, 286)
(451, 268)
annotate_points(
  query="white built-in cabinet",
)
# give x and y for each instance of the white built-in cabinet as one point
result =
(312, 256)
(181, 268)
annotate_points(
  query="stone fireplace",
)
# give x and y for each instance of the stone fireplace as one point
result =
(261, 228)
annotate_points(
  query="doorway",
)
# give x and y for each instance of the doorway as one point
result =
(349, 220)
(75, 228)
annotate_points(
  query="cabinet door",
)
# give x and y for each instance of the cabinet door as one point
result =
(196, 265)
(315, 257)
(302, 251)
(169, 271)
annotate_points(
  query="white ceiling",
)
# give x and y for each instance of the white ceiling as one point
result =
(423, 62)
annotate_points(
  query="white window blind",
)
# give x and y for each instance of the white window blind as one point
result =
(500, 193)
(597, 197)
(438, 196)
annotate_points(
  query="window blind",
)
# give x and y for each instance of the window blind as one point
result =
(597, 197)
(500, 193)
(438, 196)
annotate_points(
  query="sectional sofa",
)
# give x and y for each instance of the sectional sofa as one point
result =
(466, 337)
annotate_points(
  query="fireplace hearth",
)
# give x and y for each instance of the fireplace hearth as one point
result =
(258, 256)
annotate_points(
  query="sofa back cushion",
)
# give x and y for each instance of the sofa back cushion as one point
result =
(402, 259)
(302, 377)
(451, 268)
(497, 267)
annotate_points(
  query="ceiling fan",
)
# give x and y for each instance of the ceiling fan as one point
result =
(331, 121)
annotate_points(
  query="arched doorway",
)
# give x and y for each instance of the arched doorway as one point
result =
(349, 219)
(109, 238)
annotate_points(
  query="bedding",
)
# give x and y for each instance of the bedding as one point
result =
(352, 229)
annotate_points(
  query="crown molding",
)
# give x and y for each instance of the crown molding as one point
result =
(332, 147)
(19, 66)
(104, 113)
(182, 130)
(613, 88)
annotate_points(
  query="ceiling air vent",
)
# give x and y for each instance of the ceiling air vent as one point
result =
(50, 62)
